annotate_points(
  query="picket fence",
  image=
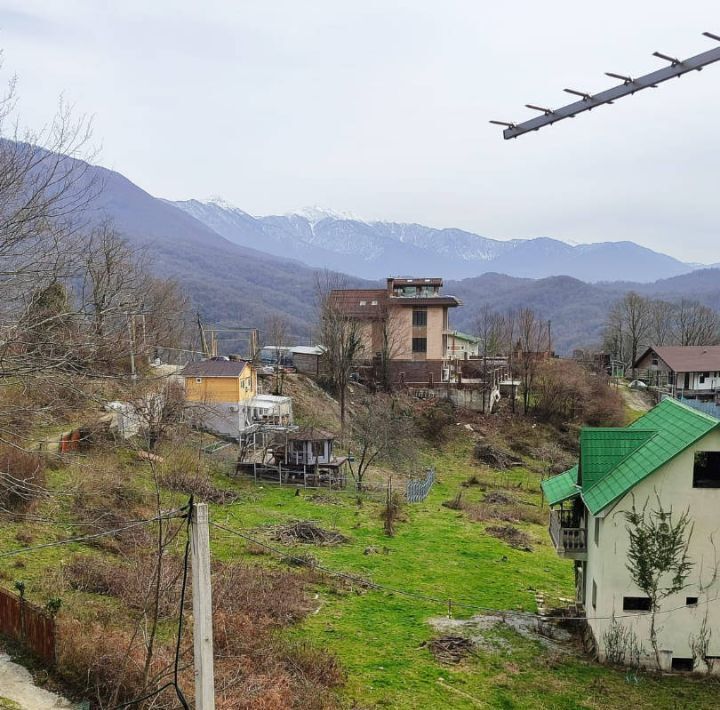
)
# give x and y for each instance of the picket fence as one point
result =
(416, 490)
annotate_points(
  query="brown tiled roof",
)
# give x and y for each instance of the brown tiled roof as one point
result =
(689, 358)
(214, 368)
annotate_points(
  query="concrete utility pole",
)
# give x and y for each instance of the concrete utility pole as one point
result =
(202, 608)
(629, 86)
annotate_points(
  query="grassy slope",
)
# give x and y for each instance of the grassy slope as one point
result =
(378, 635)
(438, 552)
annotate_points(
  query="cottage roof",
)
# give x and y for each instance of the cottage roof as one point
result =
(613, 461)
(310, 434)
(214, 368)
(687, 358)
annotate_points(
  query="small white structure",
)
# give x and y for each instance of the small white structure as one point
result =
(670, 457)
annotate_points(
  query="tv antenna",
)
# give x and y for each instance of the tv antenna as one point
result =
(629, 85)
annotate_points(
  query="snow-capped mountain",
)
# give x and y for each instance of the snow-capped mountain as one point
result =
(324, 238)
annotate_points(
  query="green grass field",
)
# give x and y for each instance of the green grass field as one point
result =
(380, 636)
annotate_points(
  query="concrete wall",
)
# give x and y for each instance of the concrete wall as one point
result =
(606, 563)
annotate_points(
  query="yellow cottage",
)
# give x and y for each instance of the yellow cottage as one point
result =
(219, 381)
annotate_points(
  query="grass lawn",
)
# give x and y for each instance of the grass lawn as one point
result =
(380, 636)
(438, 552)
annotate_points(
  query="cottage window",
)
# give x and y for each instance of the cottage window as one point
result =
(419, 317)
(636, 603)
(198, 380)
(703, 375)
(419, 345)
(691, 601)
(363, 303)
(318, 449)
(682, 664)
(706, 471)
(373, 303)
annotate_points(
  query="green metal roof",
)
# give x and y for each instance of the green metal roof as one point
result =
(613, 461)
(603, 449)
(561, 487)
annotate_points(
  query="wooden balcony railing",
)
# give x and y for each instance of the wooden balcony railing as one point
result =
(566, 533)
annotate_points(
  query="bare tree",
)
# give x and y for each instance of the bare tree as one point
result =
(277, 333)
(629, 326)
(696, 324)
(532, 341)
(662, 316)
(382, 431)
(339, 333)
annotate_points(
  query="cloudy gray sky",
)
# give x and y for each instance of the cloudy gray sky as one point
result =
(381, 108)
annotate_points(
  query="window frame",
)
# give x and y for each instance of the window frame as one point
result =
(639, 605)
(419, 314)
(704, 481)
(419, 346)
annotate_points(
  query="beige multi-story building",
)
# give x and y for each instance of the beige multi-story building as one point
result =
(404, 324)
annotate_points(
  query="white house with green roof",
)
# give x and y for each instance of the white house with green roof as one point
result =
(671, 454)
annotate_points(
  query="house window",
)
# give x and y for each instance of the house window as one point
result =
(419, 318)
(597, 531)
(594, 595)
(419, 345)
(691, 601)
(373, 303)
(198, 380)
(636, 603)
(682, 664)
(655, 362)
(363, 303)
(703, 375)
(318, 449)
(706, 471)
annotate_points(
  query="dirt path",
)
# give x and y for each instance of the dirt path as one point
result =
(16, 684)
(636, 399)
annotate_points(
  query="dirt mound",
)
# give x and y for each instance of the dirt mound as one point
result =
(495, 457)
(499, 498)
(308, 532)
(511, 535)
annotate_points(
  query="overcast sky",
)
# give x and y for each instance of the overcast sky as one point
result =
(381, 108)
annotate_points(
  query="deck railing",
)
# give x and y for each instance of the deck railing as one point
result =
(566, 533)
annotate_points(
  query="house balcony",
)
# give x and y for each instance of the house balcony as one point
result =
(568, 535)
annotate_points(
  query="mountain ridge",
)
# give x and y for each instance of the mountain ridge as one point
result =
(373, 249)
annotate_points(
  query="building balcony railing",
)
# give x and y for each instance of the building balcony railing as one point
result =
(567, 534)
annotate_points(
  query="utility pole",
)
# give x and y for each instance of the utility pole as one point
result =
(202, 608)
(131, 336)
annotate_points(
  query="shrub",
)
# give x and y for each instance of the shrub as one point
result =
(434, 420)
(22, 479)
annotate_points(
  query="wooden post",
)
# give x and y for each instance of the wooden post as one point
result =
(202, 609)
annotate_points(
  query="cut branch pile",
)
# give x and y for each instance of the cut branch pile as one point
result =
(450, 649)
(306, 531)
(511, 535)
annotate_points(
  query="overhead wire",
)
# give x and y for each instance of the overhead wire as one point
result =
(446, 599)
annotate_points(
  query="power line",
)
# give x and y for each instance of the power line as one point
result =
(446, 599)
(84, 538)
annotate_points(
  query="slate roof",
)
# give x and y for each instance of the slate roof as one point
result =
(688, 358)
(214, 368)
(613, 461)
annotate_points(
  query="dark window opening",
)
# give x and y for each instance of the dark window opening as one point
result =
(597, 531)
(419, 318)
(594, 594)
(706, 471)
(419, 345)
(636, 603)
(655, 362)
(691, 601)
(318, 449)
(682, 664)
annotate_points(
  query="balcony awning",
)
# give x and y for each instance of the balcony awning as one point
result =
(561, 487)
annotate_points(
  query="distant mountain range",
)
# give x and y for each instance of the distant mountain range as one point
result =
(246, 284)
(374, 250)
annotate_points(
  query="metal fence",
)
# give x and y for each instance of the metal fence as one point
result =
(706, 407)
(28, 625)
(416, 490)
